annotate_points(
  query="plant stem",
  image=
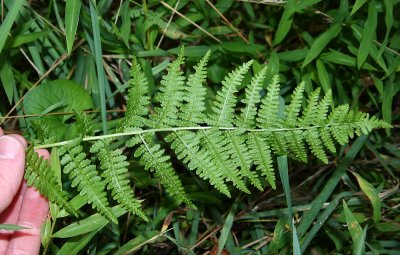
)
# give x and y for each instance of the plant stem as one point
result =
(173, 129)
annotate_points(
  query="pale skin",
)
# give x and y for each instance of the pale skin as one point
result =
(19, 204)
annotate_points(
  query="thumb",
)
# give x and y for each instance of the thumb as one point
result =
(12, 165)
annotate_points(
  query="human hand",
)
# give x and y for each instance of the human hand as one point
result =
(19, 204)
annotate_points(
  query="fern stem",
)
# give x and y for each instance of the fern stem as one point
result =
(172, 129)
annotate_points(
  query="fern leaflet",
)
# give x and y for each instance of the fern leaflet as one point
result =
(39, 174)
(114, 166)
(85, 177)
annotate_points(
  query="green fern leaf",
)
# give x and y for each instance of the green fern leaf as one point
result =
(85, 177)
(192, 112)
(223, 108)
(252, 98)
(278, 141)
(268, 113)
(310, 112)
(216, 143)
(153, 157)
(292, 111)
(39, 174)
(84, 123)
(170, 96)
(114, 166)
(260, 153)
(296, 144)
(240, 154)
(323, 108)
(138, 100)
(315, 143)
(187, 148)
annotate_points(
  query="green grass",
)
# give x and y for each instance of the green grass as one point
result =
(348, 206)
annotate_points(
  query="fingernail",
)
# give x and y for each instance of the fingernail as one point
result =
(9, 147)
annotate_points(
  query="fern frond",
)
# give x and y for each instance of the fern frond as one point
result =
(39, 174)
(323, 108)
(114, 166)
(252, 98)
(42, 132)
(216, 143)
(84, 176)
(260, 153)
(84, 122)
(240, 154)
(223, 108)
(293, 109)
(137, 101)
(310, 112)
(315, 144)
(296, 144)
(186, 146)
(153, 158)
(268, 113)
(170, 96)
(192, 112)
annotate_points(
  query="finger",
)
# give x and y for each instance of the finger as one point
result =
(1, 132)
(10, 216)
(33, 213)
(21, 139)
(12, 165)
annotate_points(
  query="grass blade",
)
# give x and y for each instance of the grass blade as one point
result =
(322, 218)
(72, 11)
(101, 78)
(320, 43)
(316, 206)
(357, 5)
(283, 172)
(225, 231)
(323, 76)
(372, 195)
(9, 20)
(368, 34)
(356, 232)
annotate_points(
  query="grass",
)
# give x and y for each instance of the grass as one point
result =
(347, 206)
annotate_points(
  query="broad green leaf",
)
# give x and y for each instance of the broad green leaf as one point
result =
(280, 237)
(284, 25)
(72, 11)
(7, 76)
(60, 96)
(369, 33)
(91, 223)
(343, 59)
(76, 244)
(11, 227)
(65, 94)
(138, 242)
(372, 195)
(9, 20)
(323, 76)
(321, 42)
(357, 5)
(356, 232)
(19, 40)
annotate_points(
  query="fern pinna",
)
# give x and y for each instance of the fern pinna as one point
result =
(229, 145)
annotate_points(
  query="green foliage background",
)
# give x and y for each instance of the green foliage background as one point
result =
(350, 47)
